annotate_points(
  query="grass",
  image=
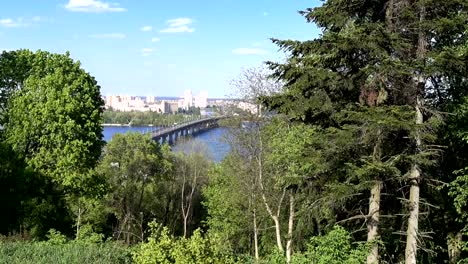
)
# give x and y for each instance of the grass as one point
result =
(71, 252)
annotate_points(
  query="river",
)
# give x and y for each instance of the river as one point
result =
(214, 140)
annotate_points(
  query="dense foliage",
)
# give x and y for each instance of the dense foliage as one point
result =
(358, 154)
(135, 118)
(382, 84)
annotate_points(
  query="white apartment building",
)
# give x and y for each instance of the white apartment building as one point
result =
(188, 99)
(128, 103)
(151, 99)
(201, 100)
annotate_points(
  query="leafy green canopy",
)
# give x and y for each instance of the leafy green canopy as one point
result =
(15, 67)
(134, 166)
(54, 118)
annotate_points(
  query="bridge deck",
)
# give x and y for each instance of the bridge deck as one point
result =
(168, 130)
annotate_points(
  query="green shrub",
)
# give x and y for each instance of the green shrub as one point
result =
(162, 248)
(334, 248)
(55, 237)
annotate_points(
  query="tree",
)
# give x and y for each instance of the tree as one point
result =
(235, 212)
(54, 120)
(459, 186)
(191, 171)
(252, 83)
(265, 173)
(384, 56)
(134, 165)
(291, 162)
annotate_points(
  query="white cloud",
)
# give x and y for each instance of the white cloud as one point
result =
(155, 39)
(179, 25)
(7, 22)
(265, 13)
(249, 51)
(146, 51)
(109, 36)
(93, 6)
(19, 22)
(178, 22)
(178, 29)
(147, 28)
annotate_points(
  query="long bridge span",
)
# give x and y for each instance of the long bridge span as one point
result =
(171, 134)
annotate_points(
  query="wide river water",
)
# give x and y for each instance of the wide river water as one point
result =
(213, 140)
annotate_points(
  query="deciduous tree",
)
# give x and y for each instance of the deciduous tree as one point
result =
(134, 165)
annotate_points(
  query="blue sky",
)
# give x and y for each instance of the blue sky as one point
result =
(154, 47)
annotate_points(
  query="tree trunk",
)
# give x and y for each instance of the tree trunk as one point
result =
(255, 235)
(185, 226)
(182, 206)
(412, 231)
(274, 217)
(289, 242)
(415, 175)
(127, 231)
(78, 221)
(186, 200)
(373, 222)
(389, 15)
(454, 246)
(278, 233)
(374, 207)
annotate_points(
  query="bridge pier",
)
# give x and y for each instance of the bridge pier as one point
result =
(171, 139)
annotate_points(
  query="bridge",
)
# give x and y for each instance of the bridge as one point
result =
(171, 134)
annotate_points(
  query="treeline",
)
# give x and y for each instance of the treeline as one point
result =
(137, 118)
(68, 196)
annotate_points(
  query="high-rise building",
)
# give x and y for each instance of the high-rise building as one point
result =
(201, 100)
(188, 99)
(151, 99)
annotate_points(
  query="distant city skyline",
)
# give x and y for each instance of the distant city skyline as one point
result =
(157, 47)
(166, 105)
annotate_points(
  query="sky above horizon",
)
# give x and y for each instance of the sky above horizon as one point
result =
(158, 48)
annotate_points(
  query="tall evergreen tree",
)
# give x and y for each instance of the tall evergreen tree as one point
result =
(386, 58)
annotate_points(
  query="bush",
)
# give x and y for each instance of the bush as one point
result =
(334, 248)
(163, 248)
